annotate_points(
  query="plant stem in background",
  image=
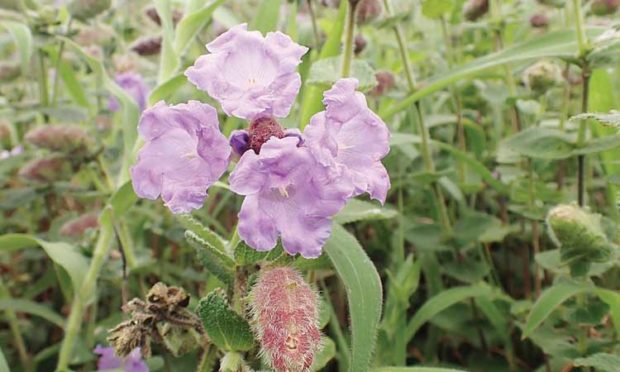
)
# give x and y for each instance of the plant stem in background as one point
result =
(582, 41)
(43, 89)
(429, 165)
(86, 292)
(347, 58)
(18, 339)
(315, 28)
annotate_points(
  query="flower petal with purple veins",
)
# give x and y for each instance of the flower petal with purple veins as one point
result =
(248, 74)
(288, 193)
(350, 137)
(183, 155)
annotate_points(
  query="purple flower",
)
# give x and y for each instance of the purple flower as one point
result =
(288, 194)
(352, 138)
(134, 85)
(109, 361)
(250, 75)
(184, 154)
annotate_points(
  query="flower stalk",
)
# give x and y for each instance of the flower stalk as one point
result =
(347, 58)
(86, 292)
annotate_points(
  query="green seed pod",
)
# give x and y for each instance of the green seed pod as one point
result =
(86, 9)
(605, 7)
(542, 76)
(580, 236)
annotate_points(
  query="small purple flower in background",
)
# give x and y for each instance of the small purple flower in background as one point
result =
(134, 85)
(250, 75)
(109, 361)
(288, 194)
(348, 135)
(184, 154)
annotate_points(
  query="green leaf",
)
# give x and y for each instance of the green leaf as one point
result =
(191, 25)
(267, 16)
(245, 255)
(313, 96)
(169, 61)
(214, 260)
(358, 210)
(324, 355)
(600, 361)
(23, 39)
(32, 308)
(129, 108)
(123, 199)
(74, 87)
(442, 301)
(364, 293)
(611, 119)
(541, 143)
(475, 165)
(4, 366)
(612, 299)
(165, 90)
(203, 232)
(226, 329)
(560, 44)
(325, 72)
(63, 254)
(548, 301)
(597, 145)
(437, 8)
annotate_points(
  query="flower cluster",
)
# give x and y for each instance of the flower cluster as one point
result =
(293, 182)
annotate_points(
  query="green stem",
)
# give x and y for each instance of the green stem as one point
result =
(347, 59)
(422, 128)
(61, 49)
(334, 325)
(43, 90)
(582, 39)
(18, 339)
(86, 292)
(315, 28)
(581, 136)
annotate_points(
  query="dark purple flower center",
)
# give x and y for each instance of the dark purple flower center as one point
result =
(261, 130)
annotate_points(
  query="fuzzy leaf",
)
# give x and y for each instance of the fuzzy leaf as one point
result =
(364, 293)
(600, 361)
(541, 143)
(611, 119)
(226, 329)
(358, 210)
(214, 260)
(325, 72)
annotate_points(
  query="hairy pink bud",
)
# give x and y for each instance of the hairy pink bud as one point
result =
(62, 138)
(261, 130)
(49, 169)
(285, 313)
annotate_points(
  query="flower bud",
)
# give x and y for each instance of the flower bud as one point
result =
(360, 44)
(49, 169)
(239, 141)
(542, 76)
(539, 20)
(9, 71)
(385, 83)
(147, 46)
(76, 227)
(86, 9)
(154, 16)
(580, 236)
(604, 7)
(261, 130)
(368, 11)
(285, 313)
(553, 3)
(68, 139)
(5, 131)
(475, 9)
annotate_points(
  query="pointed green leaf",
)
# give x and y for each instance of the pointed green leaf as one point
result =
(364, 294)
(23, 39)
(325, 72)
(213, 259)
(32, 308)
(600, 361)
(191, 25)
(358, 210)
(548, 301)
(267, 16)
